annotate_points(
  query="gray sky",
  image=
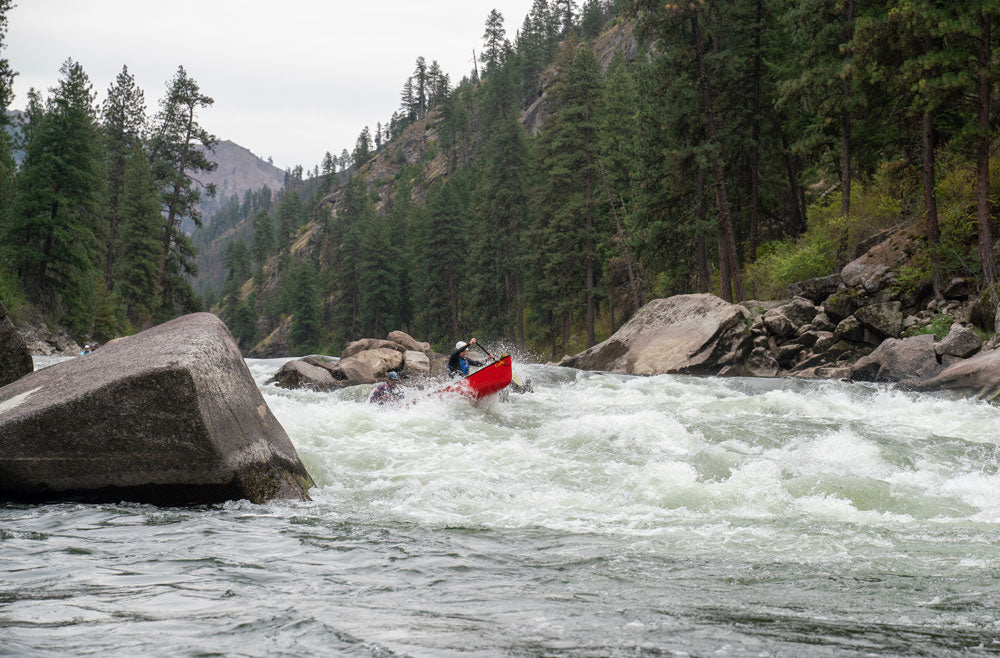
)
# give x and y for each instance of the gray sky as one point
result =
(291, 79)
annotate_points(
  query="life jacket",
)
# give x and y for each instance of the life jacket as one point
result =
(383, 393)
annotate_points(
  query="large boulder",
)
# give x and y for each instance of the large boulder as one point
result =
(168, 416)
(354, 370)
(15, 359)
(885, 318)
(381, 360)
(816, 290)
(302, 374)
(407, 341)
(898, 359)
(416, 364)
(365, 344)
(979, 376)
(960, 341)
(698, 334)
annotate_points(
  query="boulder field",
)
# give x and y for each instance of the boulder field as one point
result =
(167, 416)
(857, 324)
(363, 361)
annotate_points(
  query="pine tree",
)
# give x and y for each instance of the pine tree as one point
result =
(496, 290)
(442, 266)
(306, 325)
(566, 232)
(137, 240)
(178, 150)
(7, 164)
(263, 237)
(57, 229)
(421, 88)
(362, 148)
(493, 42)
(124, 121)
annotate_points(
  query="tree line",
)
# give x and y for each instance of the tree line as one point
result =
(90, 218)
(737, 132)
(728, 147)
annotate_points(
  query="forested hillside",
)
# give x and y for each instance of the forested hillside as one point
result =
(598, 155)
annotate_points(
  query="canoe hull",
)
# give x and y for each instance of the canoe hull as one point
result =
(486, 381)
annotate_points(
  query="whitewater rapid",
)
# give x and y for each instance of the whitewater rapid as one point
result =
(600, 515)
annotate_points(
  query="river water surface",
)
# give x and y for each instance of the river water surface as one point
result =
(600, 515)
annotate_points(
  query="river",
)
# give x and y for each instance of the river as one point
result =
(600, 515)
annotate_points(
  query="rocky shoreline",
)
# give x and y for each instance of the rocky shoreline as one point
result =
(858, 324)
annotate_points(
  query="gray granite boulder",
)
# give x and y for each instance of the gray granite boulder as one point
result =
(898, 359)
(381, 360)
(697, 334)
(416, 364)
(960, 341)
(354, 347)
(816, 290)
(885, 318)
(408, 342)
(978, 376)
(15, 359)
(302, 374)
(168, 416)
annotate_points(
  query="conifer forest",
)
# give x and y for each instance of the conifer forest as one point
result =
(598, 154)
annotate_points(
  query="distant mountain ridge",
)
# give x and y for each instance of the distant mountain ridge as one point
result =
(238, 170)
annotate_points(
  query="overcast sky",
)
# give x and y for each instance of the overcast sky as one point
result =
(291, 79)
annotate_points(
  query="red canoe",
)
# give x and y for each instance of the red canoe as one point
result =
(487, 380)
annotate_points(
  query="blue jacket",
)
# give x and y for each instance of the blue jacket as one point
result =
(457, 364)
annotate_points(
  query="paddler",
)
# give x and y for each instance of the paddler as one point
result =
(459, 361)
(388, 391)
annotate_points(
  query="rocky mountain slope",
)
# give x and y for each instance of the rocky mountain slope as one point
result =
(238, 170)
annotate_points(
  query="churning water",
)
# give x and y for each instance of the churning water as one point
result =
(600, 515)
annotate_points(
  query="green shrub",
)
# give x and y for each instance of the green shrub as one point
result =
(939, 326)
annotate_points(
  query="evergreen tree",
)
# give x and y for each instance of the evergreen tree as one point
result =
(7, 164)
(137, 240)
(124, 120)
(57, 229)
(496, 290)
(306, 325)
(442, 265)
(263, 237)
(591, 19)
(421, 87)
(362, 148)
(178, 149)
(566, 234)
(493, 42)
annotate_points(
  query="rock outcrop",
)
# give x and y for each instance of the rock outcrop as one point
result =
(898, 359)
(978, 376)
(43, 342)
(363, 361)
(168, 416)
(697, 334)
(15, 359)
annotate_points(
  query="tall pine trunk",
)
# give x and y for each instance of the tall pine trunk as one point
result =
(845, 120)
(588, 245)
(633, 285)
(986, 255)
(702, 250)
(727, 235)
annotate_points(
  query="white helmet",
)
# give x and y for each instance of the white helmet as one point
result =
(460, 345)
